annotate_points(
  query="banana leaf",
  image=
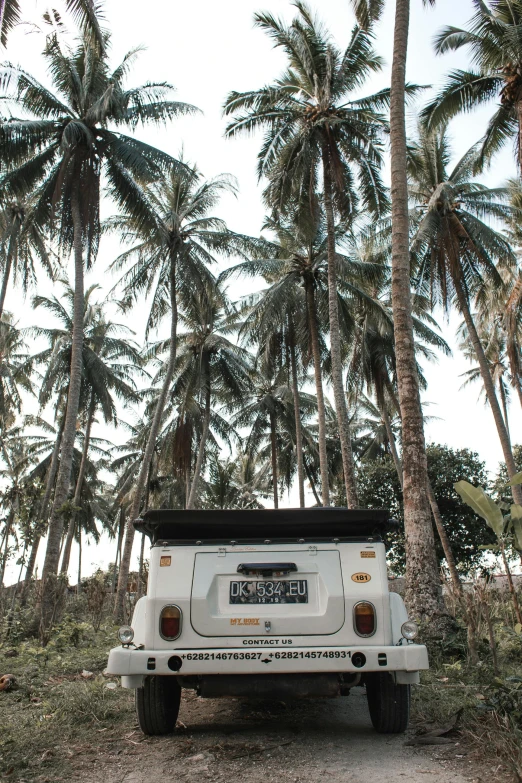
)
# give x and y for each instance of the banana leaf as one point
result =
(516, 521)
(482, 504)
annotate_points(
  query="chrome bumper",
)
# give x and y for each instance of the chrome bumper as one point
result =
(132, 663)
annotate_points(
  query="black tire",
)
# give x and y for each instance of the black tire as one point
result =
(157, 705)
(389, 703)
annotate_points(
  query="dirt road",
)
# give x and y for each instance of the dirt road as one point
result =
(234, 742)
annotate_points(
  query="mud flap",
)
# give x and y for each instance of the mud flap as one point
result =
(132, 681)
(406, 678)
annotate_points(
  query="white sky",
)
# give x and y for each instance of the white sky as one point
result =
(207, 48)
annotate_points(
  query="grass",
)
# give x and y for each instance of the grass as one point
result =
(60, 707)
(489, 706)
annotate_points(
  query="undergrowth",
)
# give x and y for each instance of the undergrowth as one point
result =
(488, 703)
(60, 704)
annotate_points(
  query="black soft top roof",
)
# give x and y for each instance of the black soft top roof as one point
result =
(208, 526)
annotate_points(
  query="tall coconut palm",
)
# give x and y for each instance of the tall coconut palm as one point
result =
(423, 584)
(237, 482)
(10, 15)
(492, 38)
(46, 471)
(509, 310)
(210, 366)
(87, 14)
(112, 363)
(62, 153)
(16, 459)
(292, 264)
(173, 237)
(315, 125)
(493, 340)
(17, 371)
(281, 332)
(295, 264)
(454, 250)
(263, 410)
(22, 241)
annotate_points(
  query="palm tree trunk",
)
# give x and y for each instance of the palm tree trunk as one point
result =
(423, 592)
(319, 393)
(49, 486)
(203, 442)
(335, 343)
(298, 428)
(7, 273)
(10, 617)
(140, 567)
(312, 482)
(514, 597)
(444, 540)
(511, 325)
(142, 546)
(53, 470)
(46, 608)
(504, 405)
(78, 490)
(149, 449)
(489, 387)
(519, 116)
(5, 546)
(187, 484)
(273, 443)
(29, 571)
(391, 441)
(439, 524)
(117, 558)
(79, 585)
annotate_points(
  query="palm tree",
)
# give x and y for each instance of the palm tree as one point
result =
(509, 311)
(17, 459)
(210, 366)
(493, 339)
(263, 411)
(17, 371)
(495, 47)
(111, 363)
(87, 13)
(236, 482)
(46, 472)
(21, 241)
(314, 124)
(9, 18)
(173, 239)
(61, 153)
(295, 263)
(423, 583)
(454, 251)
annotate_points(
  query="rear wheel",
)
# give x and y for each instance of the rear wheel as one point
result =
(389, 703)
(157, 705)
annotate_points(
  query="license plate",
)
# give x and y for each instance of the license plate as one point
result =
(292, 591)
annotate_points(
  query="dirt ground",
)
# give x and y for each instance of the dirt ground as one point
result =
(239, 742)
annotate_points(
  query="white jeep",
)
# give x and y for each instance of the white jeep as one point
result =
(263, 604)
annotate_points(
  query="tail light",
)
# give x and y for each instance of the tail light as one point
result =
(364, 618)
(170, 622)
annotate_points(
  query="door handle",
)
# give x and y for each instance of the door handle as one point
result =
(266, 569)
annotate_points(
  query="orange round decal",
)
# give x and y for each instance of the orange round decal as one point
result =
(361, 577)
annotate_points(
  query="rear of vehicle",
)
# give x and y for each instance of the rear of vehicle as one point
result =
(268, 604)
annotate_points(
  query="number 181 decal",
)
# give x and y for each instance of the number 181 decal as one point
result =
(361, 577)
